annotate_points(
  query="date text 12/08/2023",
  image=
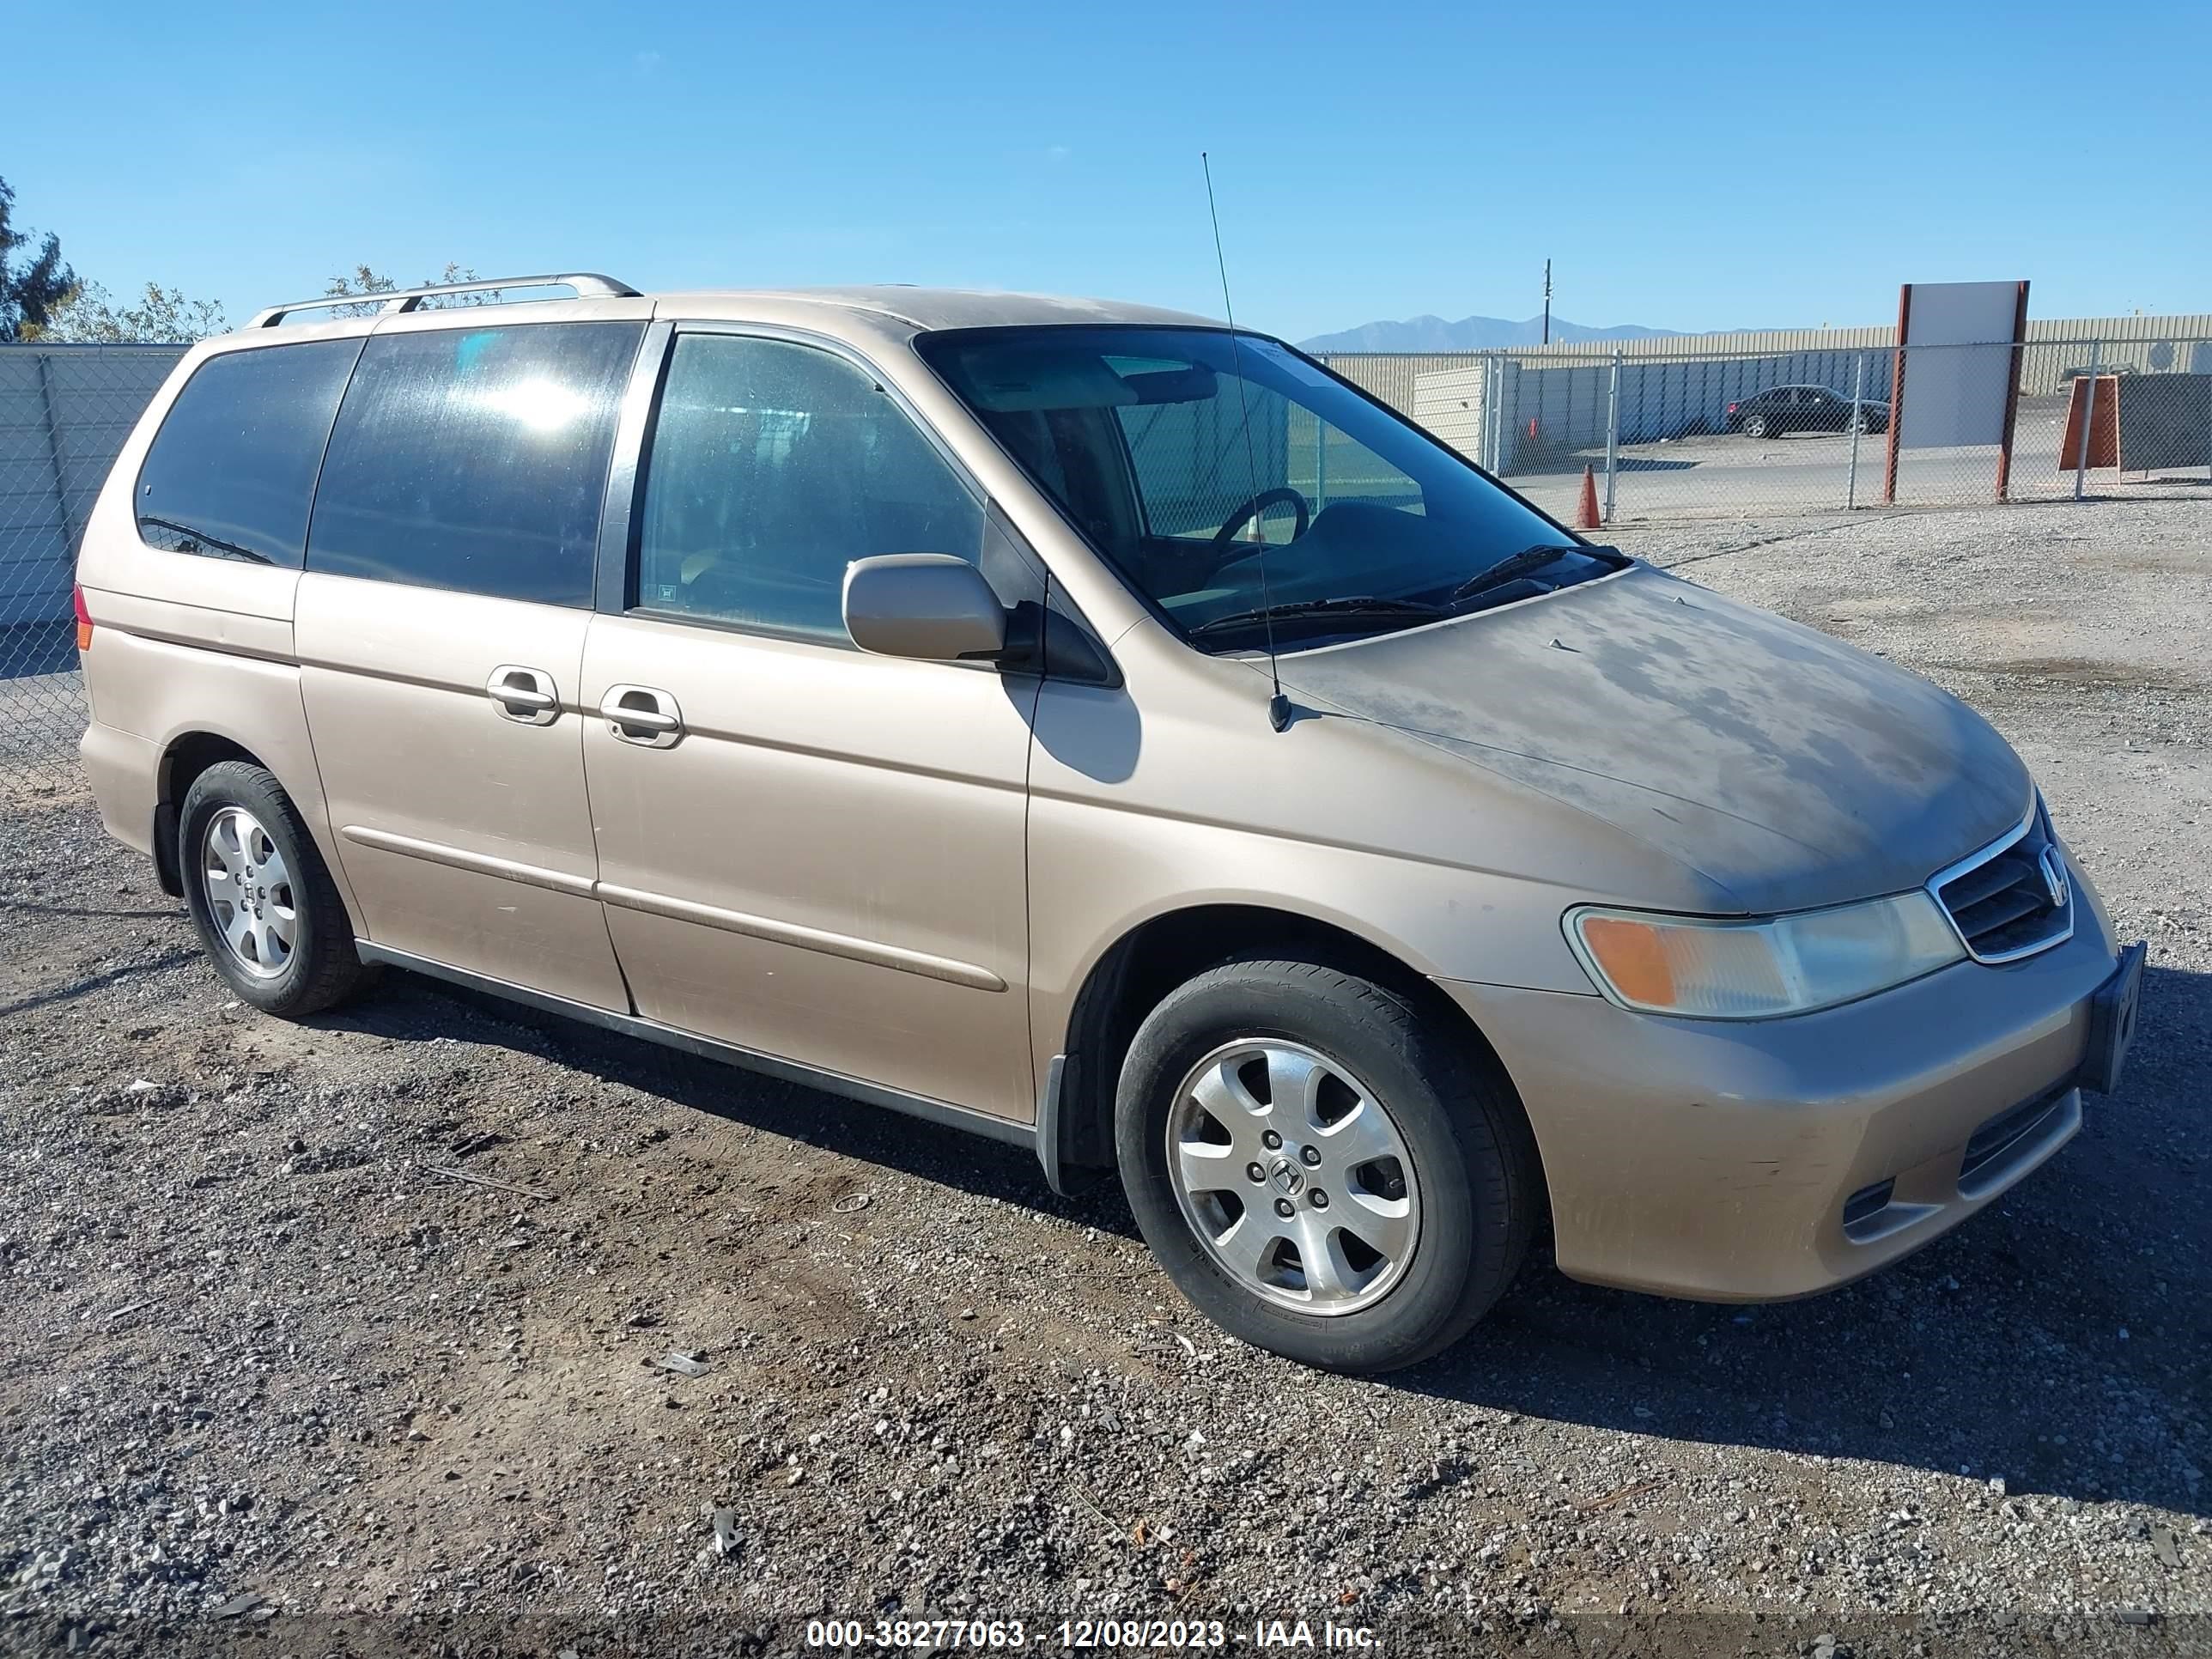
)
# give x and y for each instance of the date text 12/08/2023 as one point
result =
(1083, 1635)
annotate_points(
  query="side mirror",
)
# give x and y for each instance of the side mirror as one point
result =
(927, 605)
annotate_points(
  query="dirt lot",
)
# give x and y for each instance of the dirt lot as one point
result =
(268, 1381)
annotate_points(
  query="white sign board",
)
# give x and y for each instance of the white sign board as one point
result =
(1956, 390)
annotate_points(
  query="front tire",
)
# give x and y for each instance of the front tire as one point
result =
(269, 916)
(1395, 1190)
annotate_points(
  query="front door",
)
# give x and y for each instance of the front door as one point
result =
(803, 849)
(440, 629)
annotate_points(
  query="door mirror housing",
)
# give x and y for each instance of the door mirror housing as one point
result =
(931, 606)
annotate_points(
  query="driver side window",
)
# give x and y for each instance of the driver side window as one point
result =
(773, 467)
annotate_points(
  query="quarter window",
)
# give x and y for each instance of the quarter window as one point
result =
(773, 466)
(475, 458)
(232, 470)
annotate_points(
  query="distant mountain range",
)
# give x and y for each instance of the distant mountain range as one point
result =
(1468, 334)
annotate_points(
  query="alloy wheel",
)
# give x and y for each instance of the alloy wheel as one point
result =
(1294, 1177)
(248, 889)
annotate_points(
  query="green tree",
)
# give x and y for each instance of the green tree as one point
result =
(31, 289)
(365, 280)
(87, 315)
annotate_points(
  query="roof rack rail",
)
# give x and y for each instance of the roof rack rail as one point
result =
(587, 285)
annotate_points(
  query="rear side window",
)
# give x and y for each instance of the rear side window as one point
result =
(475, 458)
(232, 471)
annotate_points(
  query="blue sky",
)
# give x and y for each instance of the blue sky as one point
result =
(1690, 167)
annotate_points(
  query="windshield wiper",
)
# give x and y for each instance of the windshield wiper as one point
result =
(1520, 564)
(1349, 605)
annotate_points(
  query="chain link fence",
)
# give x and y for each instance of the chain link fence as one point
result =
(1691, 434)
(64, 413)
(1703, 434)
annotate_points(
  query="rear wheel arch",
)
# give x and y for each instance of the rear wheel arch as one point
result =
(187, 755)
(1134, 975)
(260, 895)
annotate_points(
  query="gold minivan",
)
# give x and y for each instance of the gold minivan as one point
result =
(1106, 731)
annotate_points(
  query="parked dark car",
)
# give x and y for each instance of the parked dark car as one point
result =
(1803, 408)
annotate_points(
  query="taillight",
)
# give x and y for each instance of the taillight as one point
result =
(1734, 407)
(83, 621)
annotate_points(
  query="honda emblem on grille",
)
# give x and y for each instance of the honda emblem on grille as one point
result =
(2054, 877)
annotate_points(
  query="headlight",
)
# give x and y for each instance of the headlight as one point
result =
(1755, 969)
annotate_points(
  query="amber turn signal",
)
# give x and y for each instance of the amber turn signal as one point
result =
(1633, 957)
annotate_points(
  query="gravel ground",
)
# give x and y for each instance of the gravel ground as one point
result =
(269, 1381)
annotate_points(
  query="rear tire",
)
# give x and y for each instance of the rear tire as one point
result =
(1393, 1280)
(269, 914)
(1754, 426)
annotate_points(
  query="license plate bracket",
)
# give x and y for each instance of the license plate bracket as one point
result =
(2113, 1023)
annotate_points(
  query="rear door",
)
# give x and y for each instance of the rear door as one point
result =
(805, 850)
(450, 574)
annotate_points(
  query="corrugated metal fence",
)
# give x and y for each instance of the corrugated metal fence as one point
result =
(1675, 427)
(1703, 436)
(1569, 402)
(2146, 344)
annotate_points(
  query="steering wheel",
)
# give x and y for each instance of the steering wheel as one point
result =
(1259, 503)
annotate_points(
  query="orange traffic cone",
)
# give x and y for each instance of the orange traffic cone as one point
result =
(1586, 515)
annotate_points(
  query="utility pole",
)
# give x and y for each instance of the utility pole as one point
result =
(1548, 302)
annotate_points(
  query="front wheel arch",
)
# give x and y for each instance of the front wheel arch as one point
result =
(1369, 1290)
(1136, 973)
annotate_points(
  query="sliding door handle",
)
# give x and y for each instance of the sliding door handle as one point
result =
(524, 695)
(643, 716)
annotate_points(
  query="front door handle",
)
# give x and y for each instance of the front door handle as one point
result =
(642, 715)
(524, 695)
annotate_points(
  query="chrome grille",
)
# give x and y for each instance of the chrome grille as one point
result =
(2014, 897)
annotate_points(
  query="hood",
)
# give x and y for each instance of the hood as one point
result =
(1789, 769)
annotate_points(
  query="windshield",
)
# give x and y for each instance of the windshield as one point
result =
(1183, 453)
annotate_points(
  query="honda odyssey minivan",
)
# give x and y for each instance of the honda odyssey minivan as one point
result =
(1106, 732)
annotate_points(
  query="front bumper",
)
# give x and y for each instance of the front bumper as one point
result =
(1716, 1159)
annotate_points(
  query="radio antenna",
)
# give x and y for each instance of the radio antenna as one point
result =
(1278, 706)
